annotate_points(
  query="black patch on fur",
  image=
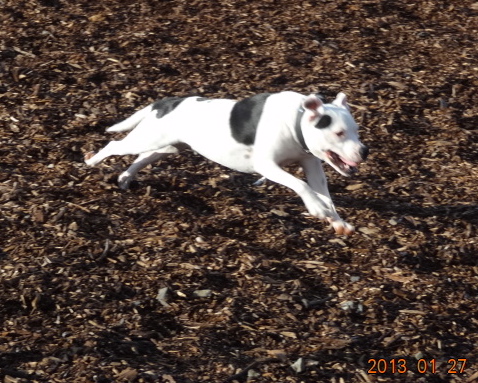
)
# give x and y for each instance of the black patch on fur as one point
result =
(324, 122)
(167, 105)
(245, 116)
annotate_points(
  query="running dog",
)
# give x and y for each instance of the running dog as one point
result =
(259, 134)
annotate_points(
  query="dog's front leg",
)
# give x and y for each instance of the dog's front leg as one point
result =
(317, 180)
(313, 203)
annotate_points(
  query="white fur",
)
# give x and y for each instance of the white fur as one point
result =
(204, 126)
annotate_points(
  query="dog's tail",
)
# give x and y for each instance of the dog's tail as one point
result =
(131, 122)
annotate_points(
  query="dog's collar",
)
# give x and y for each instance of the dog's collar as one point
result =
(298, 130)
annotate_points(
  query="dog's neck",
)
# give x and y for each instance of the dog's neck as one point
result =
(298, 130)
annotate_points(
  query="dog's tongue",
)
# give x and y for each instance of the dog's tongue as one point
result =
(350, 163)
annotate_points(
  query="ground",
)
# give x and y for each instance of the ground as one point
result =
(196, 275)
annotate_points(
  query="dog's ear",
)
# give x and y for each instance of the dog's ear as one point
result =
(341, 101)
(314, 104)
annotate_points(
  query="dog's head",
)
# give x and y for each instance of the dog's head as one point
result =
(331, 133)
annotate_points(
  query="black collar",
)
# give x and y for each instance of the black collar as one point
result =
(298, 130)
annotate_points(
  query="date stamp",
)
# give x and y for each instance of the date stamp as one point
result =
(421, 366)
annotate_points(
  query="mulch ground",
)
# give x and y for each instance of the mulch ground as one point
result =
(196, 275)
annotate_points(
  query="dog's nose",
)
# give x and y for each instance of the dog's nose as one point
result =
(364, 152)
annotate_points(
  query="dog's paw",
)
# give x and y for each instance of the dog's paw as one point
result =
(342, 227)
(124, 180)
(88, 158)
(260, 181)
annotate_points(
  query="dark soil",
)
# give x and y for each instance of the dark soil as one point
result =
(101, 285)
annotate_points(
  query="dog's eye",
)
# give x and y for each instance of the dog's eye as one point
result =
(340, 134)
(324, 122)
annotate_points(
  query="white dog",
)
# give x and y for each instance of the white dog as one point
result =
(259, 134)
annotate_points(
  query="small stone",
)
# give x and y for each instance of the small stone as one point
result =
(299, 365)
(311, 363)
(393, 221)
(202, 293)
(418, 355)
(354, 307)
(313, 304)
(347, 305)
(163, 295)
(251, 374)
(73, 226)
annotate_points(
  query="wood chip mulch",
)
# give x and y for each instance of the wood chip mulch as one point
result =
(196, 275)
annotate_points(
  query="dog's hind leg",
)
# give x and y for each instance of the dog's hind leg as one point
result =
(113, 148)
(143, 160)
(149, 136)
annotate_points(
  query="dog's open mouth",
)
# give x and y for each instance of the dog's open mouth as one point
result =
(346, 166)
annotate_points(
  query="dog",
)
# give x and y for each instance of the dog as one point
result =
(259, 134)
